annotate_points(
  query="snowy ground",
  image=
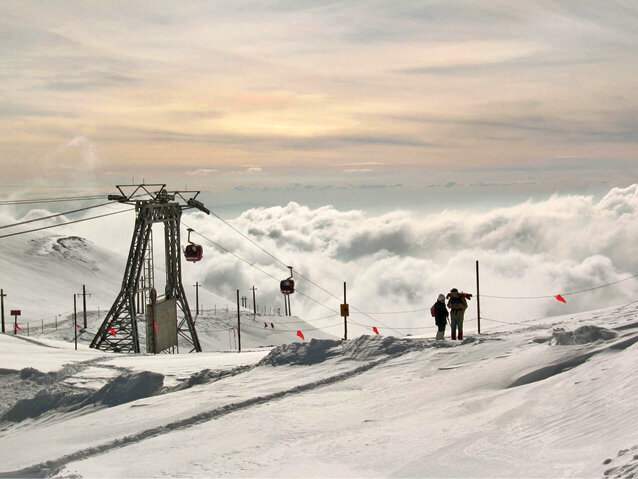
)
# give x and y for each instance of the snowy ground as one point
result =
(552, 398)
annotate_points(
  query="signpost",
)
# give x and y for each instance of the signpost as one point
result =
(15, 313)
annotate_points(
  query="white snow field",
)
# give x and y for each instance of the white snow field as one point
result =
(551, 398)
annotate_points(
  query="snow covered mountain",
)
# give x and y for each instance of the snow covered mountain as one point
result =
(549, 398)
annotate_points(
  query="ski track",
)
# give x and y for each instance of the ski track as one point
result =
(49, 468)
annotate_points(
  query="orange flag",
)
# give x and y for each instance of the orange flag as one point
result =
(300, 334)
(560, 298)
(112, 331)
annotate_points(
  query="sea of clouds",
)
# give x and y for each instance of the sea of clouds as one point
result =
(401, 261)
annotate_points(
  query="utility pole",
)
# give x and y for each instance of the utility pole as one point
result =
(478, 299)
(2, 295)
(196, 298)
(254, 306)
(238, 324)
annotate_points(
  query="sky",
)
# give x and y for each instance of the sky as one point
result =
(382, 105)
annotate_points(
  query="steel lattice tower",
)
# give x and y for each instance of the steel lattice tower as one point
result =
(118, 331)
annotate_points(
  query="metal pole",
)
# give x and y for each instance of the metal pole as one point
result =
(478, 299)
(15, 324)
(75, 322)
(254, 306)
(289, 308)
(84, 303)
(238, 323)
(345, 318)
(2, 295)
(196, 298)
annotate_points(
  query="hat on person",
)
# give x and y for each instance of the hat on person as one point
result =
(454, 290)
(441, 298)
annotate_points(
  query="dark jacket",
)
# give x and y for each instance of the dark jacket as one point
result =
(457, 304)
(440, 313)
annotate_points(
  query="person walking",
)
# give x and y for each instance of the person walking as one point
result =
(457, 304)
(440, 313)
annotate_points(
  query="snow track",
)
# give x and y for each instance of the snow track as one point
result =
(52, 467)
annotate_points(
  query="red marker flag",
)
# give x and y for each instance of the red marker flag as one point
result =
(560, 298)
(18, 327)
(78, 326)
(376, 331)
(155, 326)
(112, 331)
(300, 334)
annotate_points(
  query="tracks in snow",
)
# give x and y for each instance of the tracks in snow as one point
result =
(49, 468)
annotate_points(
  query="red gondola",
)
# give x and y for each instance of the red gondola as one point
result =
(193, 252)
(287, 286)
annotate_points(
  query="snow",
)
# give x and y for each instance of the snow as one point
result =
(554, 398)
(549, 397)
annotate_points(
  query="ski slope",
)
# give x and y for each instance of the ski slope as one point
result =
(551, 398)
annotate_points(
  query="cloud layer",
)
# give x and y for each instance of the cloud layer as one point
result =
(402, 261)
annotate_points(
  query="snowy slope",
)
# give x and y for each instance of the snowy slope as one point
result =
(42, 274)
(555, 398)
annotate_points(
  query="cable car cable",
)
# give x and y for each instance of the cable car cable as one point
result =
(253, 265)
(65, 224)
(298, 274)
(49, 200)
(55, 215)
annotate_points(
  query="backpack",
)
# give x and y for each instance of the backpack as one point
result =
(432, 310)
(456, 303)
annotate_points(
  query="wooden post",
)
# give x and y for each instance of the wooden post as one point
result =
(2, 295)
(238, 324)
(84, 304)
(478, 299)
(75, 321)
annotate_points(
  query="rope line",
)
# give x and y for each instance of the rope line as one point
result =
(562, 294)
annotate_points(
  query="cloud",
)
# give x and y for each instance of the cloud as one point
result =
(201, 172)
(401, 261)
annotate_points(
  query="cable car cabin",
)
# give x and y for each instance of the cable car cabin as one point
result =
(287, 286)
(193, 252)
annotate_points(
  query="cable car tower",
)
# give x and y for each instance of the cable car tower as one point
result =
(153, 204)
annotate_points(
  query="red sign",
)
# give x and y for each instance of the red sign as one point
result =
(16, 312)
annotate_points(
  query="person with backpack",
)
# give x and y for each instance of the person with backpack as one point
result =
(440, 313)
(457, 304)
